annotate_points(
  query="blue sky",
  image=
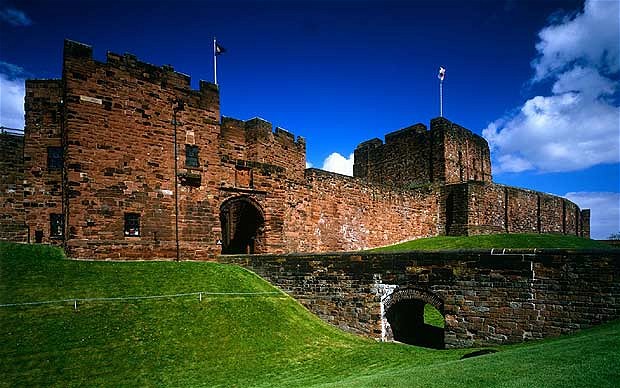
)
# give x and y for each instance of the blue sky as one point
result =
(538, 79)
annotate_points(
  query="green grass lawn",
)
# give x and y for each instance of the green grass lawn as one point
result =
(263, 340)
(512, 241)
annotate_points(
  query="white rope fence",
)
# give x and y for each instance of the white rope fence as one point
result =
(200, 295)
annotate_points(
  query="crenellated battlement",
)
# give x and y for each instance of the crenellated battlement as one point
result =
(405, 134)
(76, 49)
(258, 130)
(116, 149)
(448, 153)
(256, 140)
(370, 144)
(164, 76)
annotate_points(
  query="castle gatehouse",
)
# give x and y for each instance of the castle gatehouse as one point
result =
(123, 160)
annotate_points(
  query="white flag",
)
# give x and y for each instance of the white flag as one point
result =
(442, 73)
(219, 50)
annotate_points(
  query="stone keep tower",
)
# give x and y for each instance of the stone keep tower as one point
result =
(414, 156)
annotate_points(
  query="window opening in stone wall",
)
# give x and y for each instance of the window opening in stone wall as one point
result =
(449, 213)
(461, 172)
(54, 158)
(191, 156)
(415, 322)
(132, 224)
(56, 226)
(243, 227)
(38, 236)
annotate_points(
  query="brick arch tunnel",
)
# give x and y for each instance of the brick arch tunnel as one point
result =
(243, 225)
(403, 317)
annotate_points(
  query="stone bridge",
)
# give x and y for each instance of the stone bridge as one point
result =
(485, 296)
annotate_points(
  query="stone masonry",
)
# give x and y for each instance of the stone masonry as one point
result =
(124, 160)
(487, 297)
(12, 221)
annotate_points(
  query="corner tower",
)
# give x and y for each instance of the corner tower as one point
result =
(413, 156)
(458, 155)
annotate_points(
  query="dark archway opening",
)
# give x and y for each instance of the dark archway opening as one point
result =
(406, 318)
(242, 227)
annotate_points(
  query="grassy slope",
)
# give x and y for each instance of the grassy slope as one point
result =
(232, 341)
(587, 359)
(261, 340)
(497, 241)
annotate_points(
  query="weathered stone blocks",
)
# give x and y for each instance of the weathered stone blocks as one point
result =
(123, 160)
(486, 298)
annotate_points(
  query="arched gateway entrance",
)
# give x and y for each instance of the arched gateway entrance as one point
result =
(404, 311)
(243, 225)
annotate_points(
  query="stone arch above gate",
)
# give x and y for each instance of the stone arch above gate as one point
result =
(407, 293)
(402, 316)
(243, 225)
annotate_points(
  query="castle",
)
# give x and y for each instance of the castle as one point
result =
(123, 160)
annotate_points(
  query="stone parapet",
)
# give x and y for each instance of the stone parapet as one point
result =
(488, 296)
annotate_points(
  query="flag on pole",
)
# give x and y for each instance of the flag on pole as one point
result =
(442, 73)
(219, 50)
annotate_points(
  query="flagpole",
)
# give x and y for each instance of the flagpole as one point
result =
(214, 62)
(441, 98)
(441, 75)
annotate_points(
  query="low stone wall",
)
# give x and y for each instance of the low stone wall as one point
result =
(489, 297)
(473, 208)
(12, 216)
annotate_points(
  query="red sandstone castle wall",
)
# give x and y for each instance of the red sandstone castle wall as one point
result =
(412, 156)
(551, 220)
(12, 216)
(485, 208)
(43, 185)
(521, 211)
(254, 140)
(459, 155)
(120, 159)
(120, 156)
(403, 160)
(262, 164)
(335, 213)
(115, 122)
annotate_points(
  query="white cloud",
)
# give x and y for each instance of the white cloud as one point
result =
(15, 17)
(12, 92)
(605, 211)
(308, 164)
(578, 125)
(339, 164)
(590, 36)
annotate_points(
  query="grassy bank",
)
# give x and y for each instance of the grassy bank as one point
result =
(509, 241)
(233, 340)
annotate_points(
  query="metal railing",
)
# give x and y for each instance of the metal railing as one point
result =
(11, 131)
(199, 294)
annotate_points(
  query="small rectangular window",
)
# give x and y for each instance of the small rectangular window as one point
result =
(132, 225)
(191, 155)
(54, 158)
(56, 226)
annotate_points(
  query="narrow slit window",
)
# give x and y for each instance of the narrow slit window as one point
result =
(132, 225)
(56, 226)
(54, 158)
(191, 156)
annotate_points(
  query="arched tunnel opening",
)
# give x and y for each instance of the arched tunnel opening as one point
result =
(242, 226)
(415, 322)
